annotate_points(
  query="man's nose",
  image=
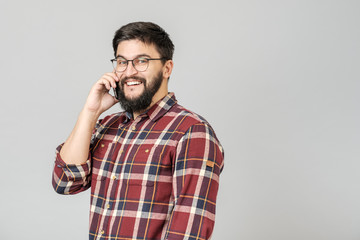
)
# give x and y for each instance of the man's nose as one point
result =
(130, 69)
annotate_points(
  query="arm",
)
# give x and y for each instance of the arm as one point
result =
(199, 161)
(72, 165)
(76, 147)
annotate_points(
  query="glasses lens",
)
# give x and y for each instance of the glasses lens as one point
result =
(119, 64)
(141, 64)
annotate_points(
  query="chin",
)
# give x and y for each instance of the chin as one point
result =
(134, 93)
(132, 96)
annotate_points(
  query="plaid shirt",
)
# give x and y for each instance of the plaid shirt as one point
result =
(155, 177)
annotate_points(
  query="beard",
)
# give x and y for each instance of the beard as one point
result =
(143, 101)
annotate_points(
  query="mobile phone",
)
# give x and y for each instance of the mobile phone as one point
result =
(116, 90)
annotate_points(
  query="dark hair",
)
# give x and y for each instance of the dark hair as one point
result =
(148, 33)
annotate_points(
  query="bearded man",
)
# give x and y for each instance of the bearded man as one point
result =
(154, 168)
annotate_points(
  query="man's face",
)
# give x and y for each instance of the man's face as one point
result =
(138, 88)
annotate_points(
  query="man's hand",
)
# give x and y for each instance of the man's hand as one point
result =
(99, 99)
(76, 148)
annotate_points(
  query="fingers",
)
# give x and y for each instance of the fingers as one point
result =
(108, 80)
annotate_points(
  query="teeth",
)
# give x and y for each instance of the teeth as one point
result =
(133, 83)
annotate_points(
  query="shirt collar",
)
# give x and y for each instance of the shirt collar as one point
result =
(128, 116)
(158, 110)
(161, 107)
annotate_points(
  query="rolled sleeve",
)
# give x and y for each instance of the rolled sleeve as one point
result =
(70, 178)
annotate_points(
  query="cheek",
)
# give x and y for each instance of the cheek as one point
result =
(119, 75)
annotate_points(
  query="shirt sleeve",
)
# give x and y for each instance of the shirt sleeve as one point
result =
(198, 164)
(70, 178)
(74, 178)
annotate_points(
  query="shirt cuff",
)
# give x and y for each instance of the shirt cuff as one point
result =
(74, 172)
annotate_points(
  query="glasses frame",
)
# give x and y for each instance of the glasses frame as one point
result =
(114, 61)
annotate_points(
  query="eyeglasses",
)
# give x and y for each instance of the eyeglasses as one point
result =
(140, 63)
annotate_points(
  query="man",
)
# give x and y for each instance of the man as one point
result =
(153, 169)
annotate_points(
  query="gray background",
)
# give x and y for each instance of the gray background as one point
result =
(278, 80)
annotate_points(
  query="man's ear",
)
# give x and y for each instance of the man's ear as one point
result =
(167, 69)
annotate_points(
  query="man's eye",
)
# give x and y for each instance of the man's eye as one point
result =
(121, 62)
(141, 60)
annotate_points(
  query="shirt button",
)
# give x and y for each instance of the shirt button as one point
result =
(102, 232)
(147, 150)
(113, 177)
(102, 145)
(133, 128)
(108, 206)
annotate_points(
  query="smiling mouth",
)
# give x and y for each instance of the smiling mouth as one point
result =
(133, 83)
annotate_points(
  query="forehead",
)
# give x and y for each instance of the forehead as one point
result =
(133, 48)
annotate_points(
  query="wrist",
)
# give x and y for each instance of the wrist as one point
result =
(89, 116)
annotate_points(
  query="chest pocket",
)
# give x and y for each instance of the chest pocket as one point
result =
(102, 160)
(146, 166)
(142, 162)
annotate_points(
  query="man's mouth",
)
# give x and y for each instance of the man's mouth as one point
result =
(133, 83)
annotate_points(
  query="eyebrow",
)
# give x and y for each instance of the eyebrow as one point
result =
(137, 56)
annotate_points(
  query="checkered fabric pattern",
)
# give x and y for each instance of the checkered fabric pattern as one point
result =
(155, 177)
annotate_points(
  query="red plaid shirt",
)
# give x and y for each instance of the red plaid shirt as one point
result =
(155, 177)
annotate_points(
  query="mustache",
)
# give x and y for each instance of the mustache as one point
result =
(143, 80)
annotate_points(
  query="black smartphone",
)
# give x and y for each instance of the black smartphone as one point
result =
(116, 90)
